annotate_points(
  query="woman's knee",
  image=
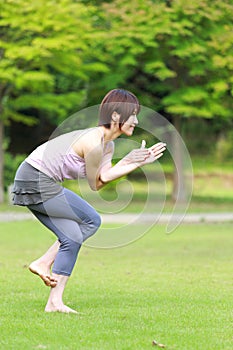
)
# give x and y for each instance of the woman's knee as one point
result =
(68, 245)
(93, 225)
(96, 220)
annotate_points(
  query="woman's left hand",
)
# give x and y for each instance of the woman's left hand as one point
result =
(156, 151)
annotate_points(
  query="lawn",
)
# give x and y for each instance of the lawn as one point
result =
(174, 288)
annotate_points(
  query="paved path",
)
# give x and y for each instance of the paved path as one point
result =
(130, 218)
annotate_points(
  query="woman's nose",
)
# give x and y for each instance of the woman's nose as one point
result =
(135, 120)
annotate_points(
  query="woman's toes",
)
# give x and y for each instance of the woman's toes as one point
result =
(64, 309)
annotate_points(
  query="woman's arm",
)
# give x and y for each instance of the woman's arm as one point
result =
(99, 167)
(133, 160)
(93, 155)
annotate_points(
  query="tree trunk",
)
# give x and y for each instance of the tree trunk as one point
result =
(1, 162)
(179, 190)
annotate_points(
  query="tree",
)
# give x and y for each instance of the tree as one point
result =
(176, 56)
(44, 68)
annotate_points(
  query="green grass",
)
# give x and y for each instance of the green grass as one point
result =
(174, 288)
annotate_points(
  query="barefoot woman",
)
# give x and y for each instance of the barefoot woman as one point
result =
(81, 153)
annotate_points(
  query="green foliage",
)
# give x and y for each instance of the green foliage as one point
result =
(56, 57)
(224, 148)
(176, 55)
(43, 49)
(11, 164)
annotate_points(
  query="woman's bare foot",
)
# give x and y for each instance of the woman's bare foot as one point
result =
(50, 307)
(55, 302)
(43, 272)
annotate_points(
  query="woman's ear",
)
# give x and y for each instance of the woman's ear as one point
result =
(116, 117)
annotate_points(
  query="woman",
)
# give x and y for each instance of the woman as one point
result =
(82, 153)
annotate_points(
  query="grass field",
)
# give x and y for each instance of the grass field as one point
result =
(174, 288)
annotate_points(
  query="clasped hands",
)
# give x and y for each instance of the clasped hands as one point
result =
(143, 155)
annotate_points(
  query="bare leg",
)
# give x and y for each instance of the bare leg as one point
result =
(55, 302)
(42, 266)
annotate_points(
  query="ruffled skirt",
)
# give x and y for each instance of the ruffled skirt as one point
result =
(31, 186)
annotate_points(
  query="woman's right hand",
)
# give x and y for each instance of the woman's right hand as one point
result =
(142, 156)
(137, 156)
(133, 160)
(156, 151)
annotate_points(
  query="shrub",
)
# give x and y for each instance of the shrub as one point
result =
(11, 164)
(224, 147)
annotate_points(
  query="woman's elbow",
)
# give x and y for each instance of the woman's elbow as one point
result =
(93, 187)
(96, 187)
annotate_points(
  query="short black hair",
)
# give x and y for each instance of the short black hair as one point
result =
(121, 101)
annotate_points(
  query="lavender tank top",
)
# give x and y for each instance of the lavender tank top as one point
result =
(57, 159)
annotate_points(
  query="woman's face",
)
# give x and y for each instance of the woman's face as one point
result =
(128, 126)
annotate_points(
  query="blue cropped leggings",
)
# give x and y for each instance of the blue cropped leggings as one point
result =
(72, 220)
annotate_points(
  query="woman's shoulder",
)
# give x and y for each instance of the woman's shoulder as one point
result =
(109, 148)
(92, 136)
(87, 139)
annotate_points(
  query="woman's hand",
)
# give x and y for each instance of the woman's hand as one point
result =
(135, 159)
(156, 151)
(142, 156)
(137, 155)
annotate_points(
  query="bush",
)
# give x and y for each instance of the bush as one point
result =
(11, 164)
(224, 147)
(199, 136)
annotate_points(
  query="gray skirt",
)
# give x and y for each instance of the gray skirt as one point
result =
(31, 186)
